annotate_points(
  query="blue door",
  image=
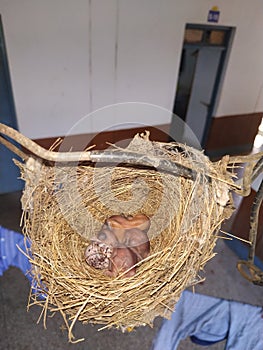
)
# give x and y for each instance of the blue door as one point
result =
(9, 173)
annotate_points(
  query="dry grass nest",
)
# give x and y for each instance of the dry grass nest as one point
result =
(63, 206)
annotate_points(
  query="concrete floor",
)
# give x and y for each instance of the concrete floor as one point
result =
(20, 331)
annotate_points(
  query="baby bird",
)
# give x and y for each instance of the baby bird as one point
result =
(119, 245)
(106, 236)
(138, 242)
(122, 259)
(120, 223)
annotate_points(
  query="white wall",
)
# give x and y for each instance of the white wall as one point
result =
(242, 88)
(47, 45)
(57, 80)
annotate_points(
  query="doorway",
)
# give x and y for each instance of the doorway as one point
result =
(202, 66)
(9, 173)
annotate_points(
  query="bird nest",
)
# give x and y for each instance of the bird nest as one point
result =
(65, 204)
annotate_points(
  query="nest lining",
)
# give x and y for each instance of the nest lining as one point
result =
(65, 205)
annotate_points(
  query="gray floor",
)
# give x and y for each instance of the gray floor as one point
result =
(20, 331)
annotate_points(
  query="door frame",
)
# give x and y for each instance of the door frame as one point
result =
(10, 180)
(226, 49)
(3, 52)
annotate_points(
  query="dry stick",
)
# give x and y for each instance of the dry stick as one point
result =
(63, 315)
(258, 169)
(251, 171)
(225, 238)
(116, 157)
(13, 148)
(254, 216)
(97, 156)
(106, 156)
(244, 159)
(75, 320)
(233, 236)
(41, 152)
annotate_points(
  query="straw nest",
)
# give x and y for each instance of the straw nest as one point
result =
(63, 206)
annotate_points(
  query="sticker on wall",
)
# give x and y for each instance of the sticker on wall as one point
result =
(213, 14)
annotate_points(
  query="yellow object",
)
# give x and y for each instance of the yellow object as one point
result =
(215, 8)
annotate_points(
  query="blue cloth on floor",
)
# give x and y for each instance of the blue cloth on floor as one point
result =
(10, 255)
(208, 320)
